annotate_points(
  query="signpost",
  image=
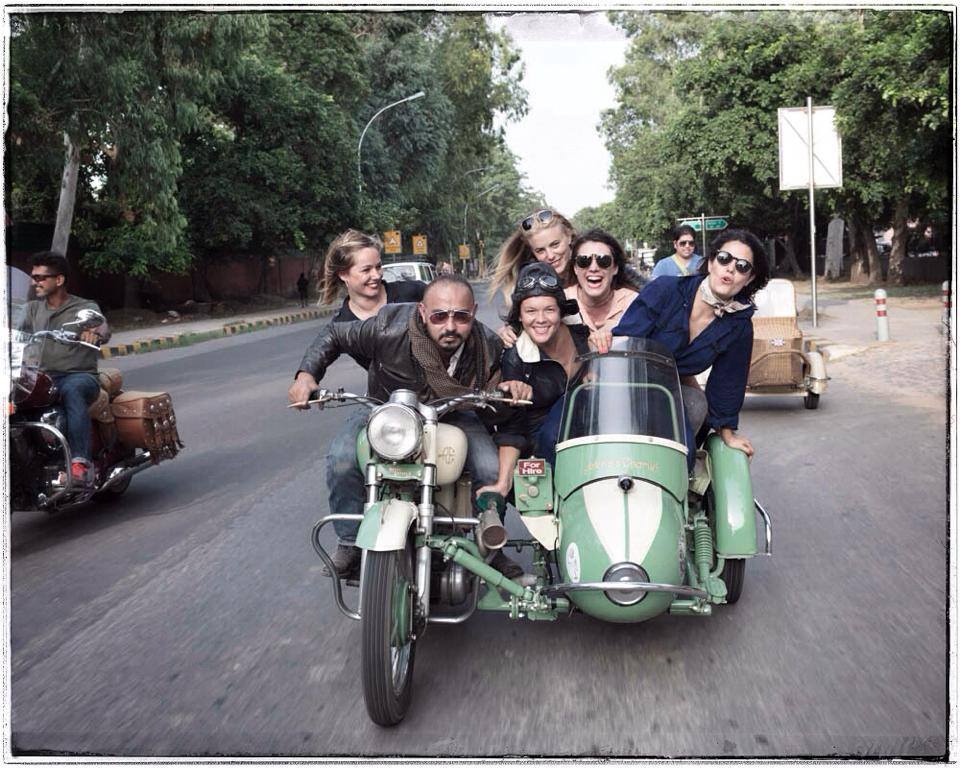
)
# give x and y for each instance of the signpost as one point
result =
(392, 242)
(810, 156)
(704, 224)
(420, 245)
(464, 252)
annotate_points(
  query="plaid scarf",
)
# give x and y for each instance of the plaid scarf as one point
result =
(472, 370)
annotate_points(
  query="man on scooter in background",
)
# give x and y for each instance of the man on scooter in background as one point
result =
(437, 349)
(72, 367)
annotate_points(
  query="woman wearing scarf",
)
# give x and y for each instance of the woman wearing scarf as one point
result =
(705, 320)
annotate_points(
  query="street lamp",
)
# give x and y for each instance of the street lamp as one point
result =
(417, 95)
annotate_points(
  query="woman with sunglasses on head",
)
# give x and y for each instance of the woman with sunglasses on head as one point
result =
(549, 343)
(544, 236)
(705, 320)
(596, 278)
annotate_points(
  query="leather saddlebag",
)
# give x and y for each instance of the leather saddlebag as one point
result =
(146, 420)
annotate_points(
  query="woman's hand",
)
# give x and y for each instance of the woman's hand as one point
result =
(507, 336)
(733, 440)
(502, 488)
(600, 341)
(518, 390)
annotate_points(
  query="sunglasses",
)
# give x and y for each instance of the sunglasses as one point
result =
(542, 216)
(460, 316)
(41, 278)
(544, 281)
(604, 260)
(742, 266)
(683, 243)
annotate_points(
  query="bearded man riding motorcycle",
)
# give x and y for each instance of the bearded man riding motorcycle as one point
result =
(73, 367)
(435, 348)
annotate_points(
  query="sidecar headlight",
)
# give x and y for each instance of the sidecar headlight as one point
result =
(626, 572)
(394, 432)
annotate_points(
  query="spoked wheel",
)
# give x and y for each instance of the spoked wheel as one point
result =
(732, 575)
(811, 400)
(387, 621)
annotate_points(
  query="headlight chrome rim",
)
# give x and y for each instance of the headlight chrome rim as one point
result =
(395, 432)
(621, 572)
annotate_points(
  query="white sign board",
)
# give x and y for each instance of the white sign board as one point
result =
(794, 149)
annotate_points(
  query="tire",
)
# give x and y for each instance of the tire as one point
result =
(386, 610)
(811, 400)
(732, 575)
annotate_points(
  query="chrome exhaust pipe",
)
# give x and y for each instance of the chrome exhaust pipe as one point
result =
(122, 473)
(491, 532)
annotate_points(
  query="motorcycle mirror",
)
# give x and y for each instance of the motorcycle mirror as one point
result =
(87, 320)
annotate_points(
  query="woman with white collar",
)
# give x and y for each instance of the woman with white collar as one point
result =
(545, 354)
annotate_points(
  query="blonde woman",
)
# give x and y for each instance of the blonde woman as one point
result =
(353, 264)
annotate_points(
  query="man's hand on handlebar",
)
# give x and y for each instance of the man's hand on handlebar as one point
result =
(301, 390)
(90, 337)
(518, 390)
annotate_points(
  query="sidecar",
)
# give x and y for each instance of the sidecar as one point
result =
(783, 362)
(630, 539)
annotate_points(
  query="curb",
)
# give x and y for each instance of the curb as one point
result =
(186, 339)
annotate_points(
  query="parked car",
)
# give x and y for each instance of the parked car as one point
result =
(423, 271)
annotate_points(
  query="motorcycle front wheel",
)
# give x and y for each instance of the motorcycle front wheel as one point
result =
(387, 642)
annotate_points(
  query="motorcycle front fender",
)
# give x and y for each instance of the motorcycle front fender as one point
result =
(736, 522)
(386, 524)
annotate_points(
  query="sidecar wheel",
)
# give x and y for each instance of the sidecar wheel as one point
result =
(732, 575)
(388, 647)
(811, 400)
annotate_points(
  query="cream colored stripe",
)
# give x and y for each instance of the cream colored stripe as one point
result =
(645, 502)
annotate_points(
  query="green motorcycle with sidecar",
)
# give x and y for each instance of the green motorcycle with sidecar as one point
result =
(619, 529)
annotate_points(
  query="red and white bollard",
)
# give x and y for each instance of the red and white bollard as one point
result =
(945, 314)
(883, 327)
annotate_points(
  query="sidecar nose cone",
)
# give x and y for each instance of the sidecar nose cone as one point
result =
(625, 572)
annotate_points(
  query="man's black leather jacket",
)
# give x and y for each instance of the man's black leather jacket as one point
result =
(385, 340)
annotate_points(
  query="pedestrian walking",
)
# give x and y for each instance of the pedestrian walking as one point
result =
(302, 285)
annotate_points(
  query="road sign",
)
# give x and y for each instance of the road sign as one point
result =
(713, 224)
(464, 251)
(420, 245)
(793, 127)
(391, 241)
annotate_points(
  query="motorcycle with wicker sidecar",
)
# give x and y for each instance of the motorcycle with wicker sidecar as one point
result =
(618, 528)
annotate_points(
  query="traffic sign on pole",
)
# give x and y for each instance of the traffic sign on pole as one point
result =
(420, 245)
(391, 241)
(713, 223)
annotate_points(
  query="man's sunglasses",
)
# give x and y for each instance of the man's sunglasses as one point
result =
(604, 260)
(742, 266)
(683, 243)
(460, 316)
(41, 278)
(542, 216)
(544, 281)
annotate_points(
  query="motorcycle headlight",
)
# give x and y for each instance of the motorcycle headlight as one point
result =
(394, 432)
(622, 572)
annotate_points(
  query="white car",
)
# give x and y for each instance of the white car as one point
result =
(409, 270)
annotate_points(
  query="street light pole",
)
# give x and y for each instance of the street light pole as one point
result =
(417, 95)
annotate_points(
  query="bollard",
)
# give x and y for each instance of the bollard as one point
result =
(945, 314)
(883, 328)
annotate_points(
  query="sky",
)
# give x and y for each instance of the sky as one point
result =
(566, 58)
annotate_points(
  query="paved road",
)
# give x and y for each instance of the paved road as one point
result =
(191, 618)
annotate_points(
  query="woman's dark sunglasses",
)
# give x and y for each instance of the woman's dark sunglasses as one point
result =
(604, 260)
(742, 266)
(542, 216)
(544, 281)
(460, 316)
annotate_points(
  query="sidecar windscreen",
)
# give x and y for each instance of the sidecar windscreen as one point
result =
(631, 390)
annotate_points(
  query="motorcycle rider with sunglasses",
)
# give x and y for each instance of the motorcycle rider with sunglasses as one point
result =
(437, 349)
(705, 320)
(685, 259)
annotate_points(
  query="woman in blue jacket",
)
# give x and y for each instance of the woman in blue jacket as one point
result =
(704, 319)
